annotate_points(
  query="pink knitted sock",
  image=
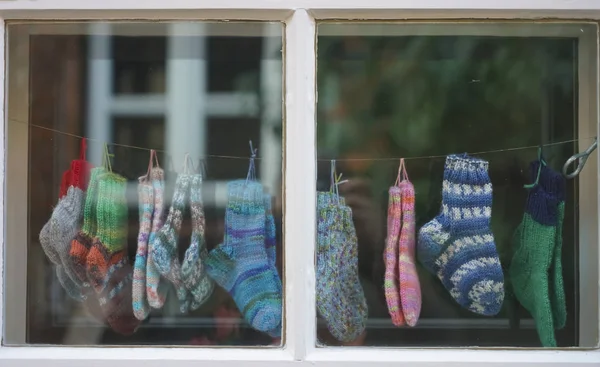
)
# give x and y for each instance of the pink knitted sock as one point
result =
(390, 284)
(410, 289)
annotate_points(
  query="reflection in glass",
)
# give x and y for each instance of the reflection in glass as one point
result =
(196, 93)
(416, 91)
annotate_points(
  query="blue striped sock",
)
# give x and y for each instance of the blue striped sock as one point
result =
(240, 264)
(458, 245)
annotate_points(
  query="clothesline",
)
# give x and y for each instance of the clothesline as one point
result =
(318, 159)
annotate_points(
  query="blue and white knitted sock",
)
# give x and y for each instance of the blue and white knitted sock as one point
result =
(458, 245)
(270, 247)
(240, 264)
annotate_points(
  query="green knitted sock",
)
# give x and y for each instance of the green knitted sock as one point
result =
(557, 288)
(529, 270)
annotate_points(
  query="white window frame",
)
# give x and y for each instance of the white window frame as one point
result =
(300, 17)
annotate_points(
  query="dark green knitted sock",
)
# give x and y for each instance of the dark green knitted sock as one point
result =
(554, 183)
(534, 243)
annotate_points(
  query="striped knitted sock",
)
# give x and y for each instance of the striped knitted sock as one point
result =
(240, 264)
(141, 308)
(390, 284)
(156, 287)
(193, 272)
(350, 278)
(410, 288)
(107, 264)
(164, 246)
(458, 245)
(57, 234)
(81, 244)
(534, 242)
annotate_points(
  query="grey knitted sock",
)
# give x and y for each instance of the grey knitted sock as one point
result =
(72, 289)
(57, 234)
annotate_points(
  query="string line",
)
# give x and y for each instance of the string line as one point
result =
(319, 159)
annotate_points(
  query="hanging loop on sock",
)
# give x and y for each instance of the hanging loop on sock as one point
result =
(106, 160)
(201, 168)
(582, 157)
(252, 168)
(401, 172)
(82, 149)
(188, 164)
(542, 163)
(152, 163)
(336, 181)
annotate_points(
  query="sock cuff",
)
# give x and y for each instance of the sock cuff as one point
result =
(551, 181)
(89, 214)
(542, 206)
(466, 170)
(112, 212)
(244, 195)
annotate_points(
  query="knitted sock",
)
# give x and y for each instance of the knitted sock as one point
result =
(554, 183)
(271, 249)
(410, 288)
(534, 242)
(57, 234)
(81, 244)
(141, 308)
(350, 278)
(193, 272)
(240, 264)
(72, 289)
(390, 284)
(107, 265)
(164, 246)
(156, 287)
(334, 302)
(458, 245)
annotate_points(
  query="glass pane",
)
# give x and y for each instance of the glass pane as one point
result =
(452, 251)
(117, 247)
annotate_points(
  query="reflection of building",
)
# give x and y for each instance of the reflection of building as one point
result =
(179, 110)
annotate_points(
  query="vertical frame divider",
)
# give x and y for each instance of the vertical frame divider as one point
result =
(300, 183)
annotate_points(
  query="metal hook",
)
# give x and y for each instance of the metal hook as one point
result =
(582, 157)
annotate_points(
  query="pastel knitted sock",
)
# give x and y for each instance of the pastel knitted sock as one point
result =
(240, 264)
(82, 243)
(458, 245)
(193, 272)
(349, 262)
(57, 234)
(391, 285)
(410, 288)
(534, 242)
(156, 287)
(141, 308)
(164, 246)
(107, 264)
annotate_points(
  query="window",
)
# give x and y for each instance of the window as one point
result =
(312, 109)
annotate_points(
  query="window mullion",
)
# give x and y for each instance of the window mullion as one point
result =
(300, 178)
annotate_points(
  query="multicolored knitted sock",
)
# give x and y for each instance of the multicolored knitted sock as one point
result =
(410, 288)
(240, 264)
(271, 249)
(350, 278)
(164, 246)
(107, 264)
(334, 296)
(193, 271)
(57, 234)
(156, 286)
(82, 243)
(458, 245)
(534, 242)
(141, 308)
(391, 285)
